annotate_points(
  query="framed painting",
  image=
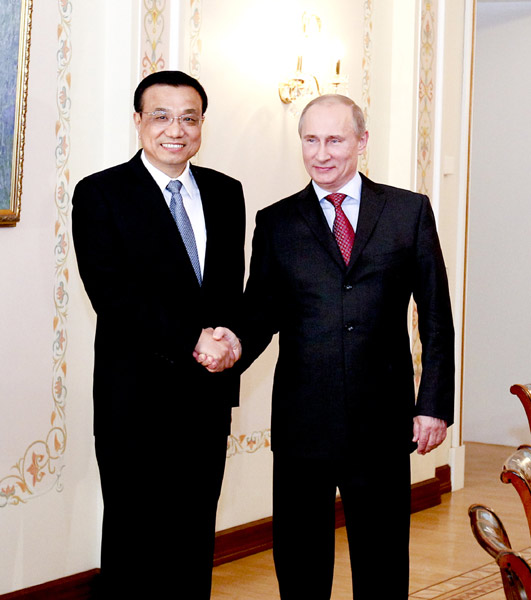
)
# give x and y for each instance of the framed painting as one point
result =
(15, 30)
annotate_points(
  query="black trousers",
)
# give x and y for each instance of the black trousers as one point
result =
(160, 496)
(375, 491)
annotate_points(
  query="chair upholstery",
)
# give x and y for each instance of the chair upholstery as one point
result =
(492, 537)
(517, 471)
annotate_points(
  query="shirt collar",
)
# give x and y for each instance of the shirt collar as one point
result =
(162, 180)
(351, 189)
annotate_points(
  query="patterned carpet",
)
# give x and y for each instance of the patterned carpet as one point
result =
(483, 582)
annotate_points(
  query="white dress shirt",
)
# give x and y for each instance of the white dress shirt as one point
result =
(191, 200)
(350, 205)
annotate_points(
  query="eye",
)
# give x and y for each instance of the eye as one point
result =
(160, 116)
(190, 120)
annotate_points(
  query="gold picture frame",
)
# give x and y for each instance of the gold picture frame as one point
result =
(15, 34)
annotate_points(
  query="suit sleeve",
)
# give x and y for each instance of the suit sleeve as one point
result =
(261, 314)
(431, 294)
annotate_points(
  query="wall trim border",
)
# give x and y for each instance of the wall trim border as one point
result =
(74, 587)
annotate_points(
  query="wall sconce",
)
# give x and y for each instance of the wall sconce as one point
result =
(338, 83)
(302, 86)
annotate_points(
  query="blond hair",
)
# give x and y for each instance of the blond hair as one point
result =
(357, 113)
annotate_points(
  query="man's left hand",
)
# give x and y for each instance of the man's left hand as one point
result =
(428, 432)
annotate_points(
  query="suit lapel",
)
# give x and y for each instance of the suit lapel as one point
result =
(371, 206)
(148, 197)
(312, 213)
(211, 211)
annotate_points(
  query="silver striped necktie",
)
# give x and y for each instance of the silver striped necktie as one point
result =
(183, 223)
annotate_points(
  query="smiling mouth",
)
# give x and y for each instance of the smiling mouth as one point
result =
(171, 146)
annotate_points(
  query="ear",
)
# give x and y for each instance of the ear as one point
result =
(137, 118)
(362, 142)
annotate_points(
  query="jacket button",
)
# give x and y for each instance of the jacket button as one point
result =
(347, 287)
(349, 327)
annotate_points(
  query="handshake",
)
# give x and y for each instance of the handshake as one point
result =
(217, 349)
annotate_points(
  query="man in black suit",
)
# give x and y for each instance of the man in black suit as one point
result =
(162, 263)
(333, 269)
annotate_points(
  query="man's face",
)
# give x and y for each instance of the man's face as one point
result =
(169, 148)
(330, 146)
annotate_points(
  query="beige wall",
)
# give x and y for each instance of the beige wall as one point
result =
(498, 327)
(250, 134)
(53, 532)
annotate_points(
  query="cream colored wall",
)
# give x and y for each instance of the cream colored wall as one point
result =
(498, 327)
(248, 134)
(394, 77)
(54, 531)
(452, 81)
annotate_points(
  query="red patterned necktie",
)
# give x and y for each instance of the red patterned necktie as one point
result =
(343, 231)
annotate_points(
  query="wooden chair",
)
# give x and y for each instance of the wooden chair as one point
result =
(524, 394)
(492, 537)
(517, 471)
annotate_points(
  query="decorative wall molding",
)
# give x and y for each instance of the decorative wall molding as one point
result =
(39, 470)
(155, 43)
(366, 66)
(426, 97)
(425, 135)
(194, 61)
(248, 444)
(63, 244)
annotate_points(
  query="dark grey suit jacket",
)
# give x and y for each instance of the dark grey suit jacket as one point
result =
(344, 375)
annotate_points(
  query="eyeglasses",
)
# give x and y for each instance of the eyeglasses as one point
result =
(163, 119)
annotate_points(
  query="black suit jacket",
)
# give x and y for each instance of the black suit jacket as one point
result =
(344, 376)
(150, 307)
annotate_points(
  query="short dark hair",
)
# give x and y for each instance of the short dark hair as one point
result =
(175, 78)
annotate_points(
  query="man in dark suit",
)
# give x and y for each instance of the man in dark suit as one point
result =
(159, 244)
(333, 269)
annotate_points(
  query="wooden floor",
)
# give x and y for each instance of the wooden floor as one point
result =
(442, 544)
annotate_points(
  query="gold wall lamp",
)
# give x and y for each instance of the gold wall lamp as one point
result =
(303, 85)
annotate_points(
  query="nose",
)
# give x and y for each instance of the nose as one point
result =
(174, 129)
(322, 154)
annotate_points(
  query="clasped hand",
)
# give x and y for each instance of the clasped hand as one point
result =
(217, 349)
